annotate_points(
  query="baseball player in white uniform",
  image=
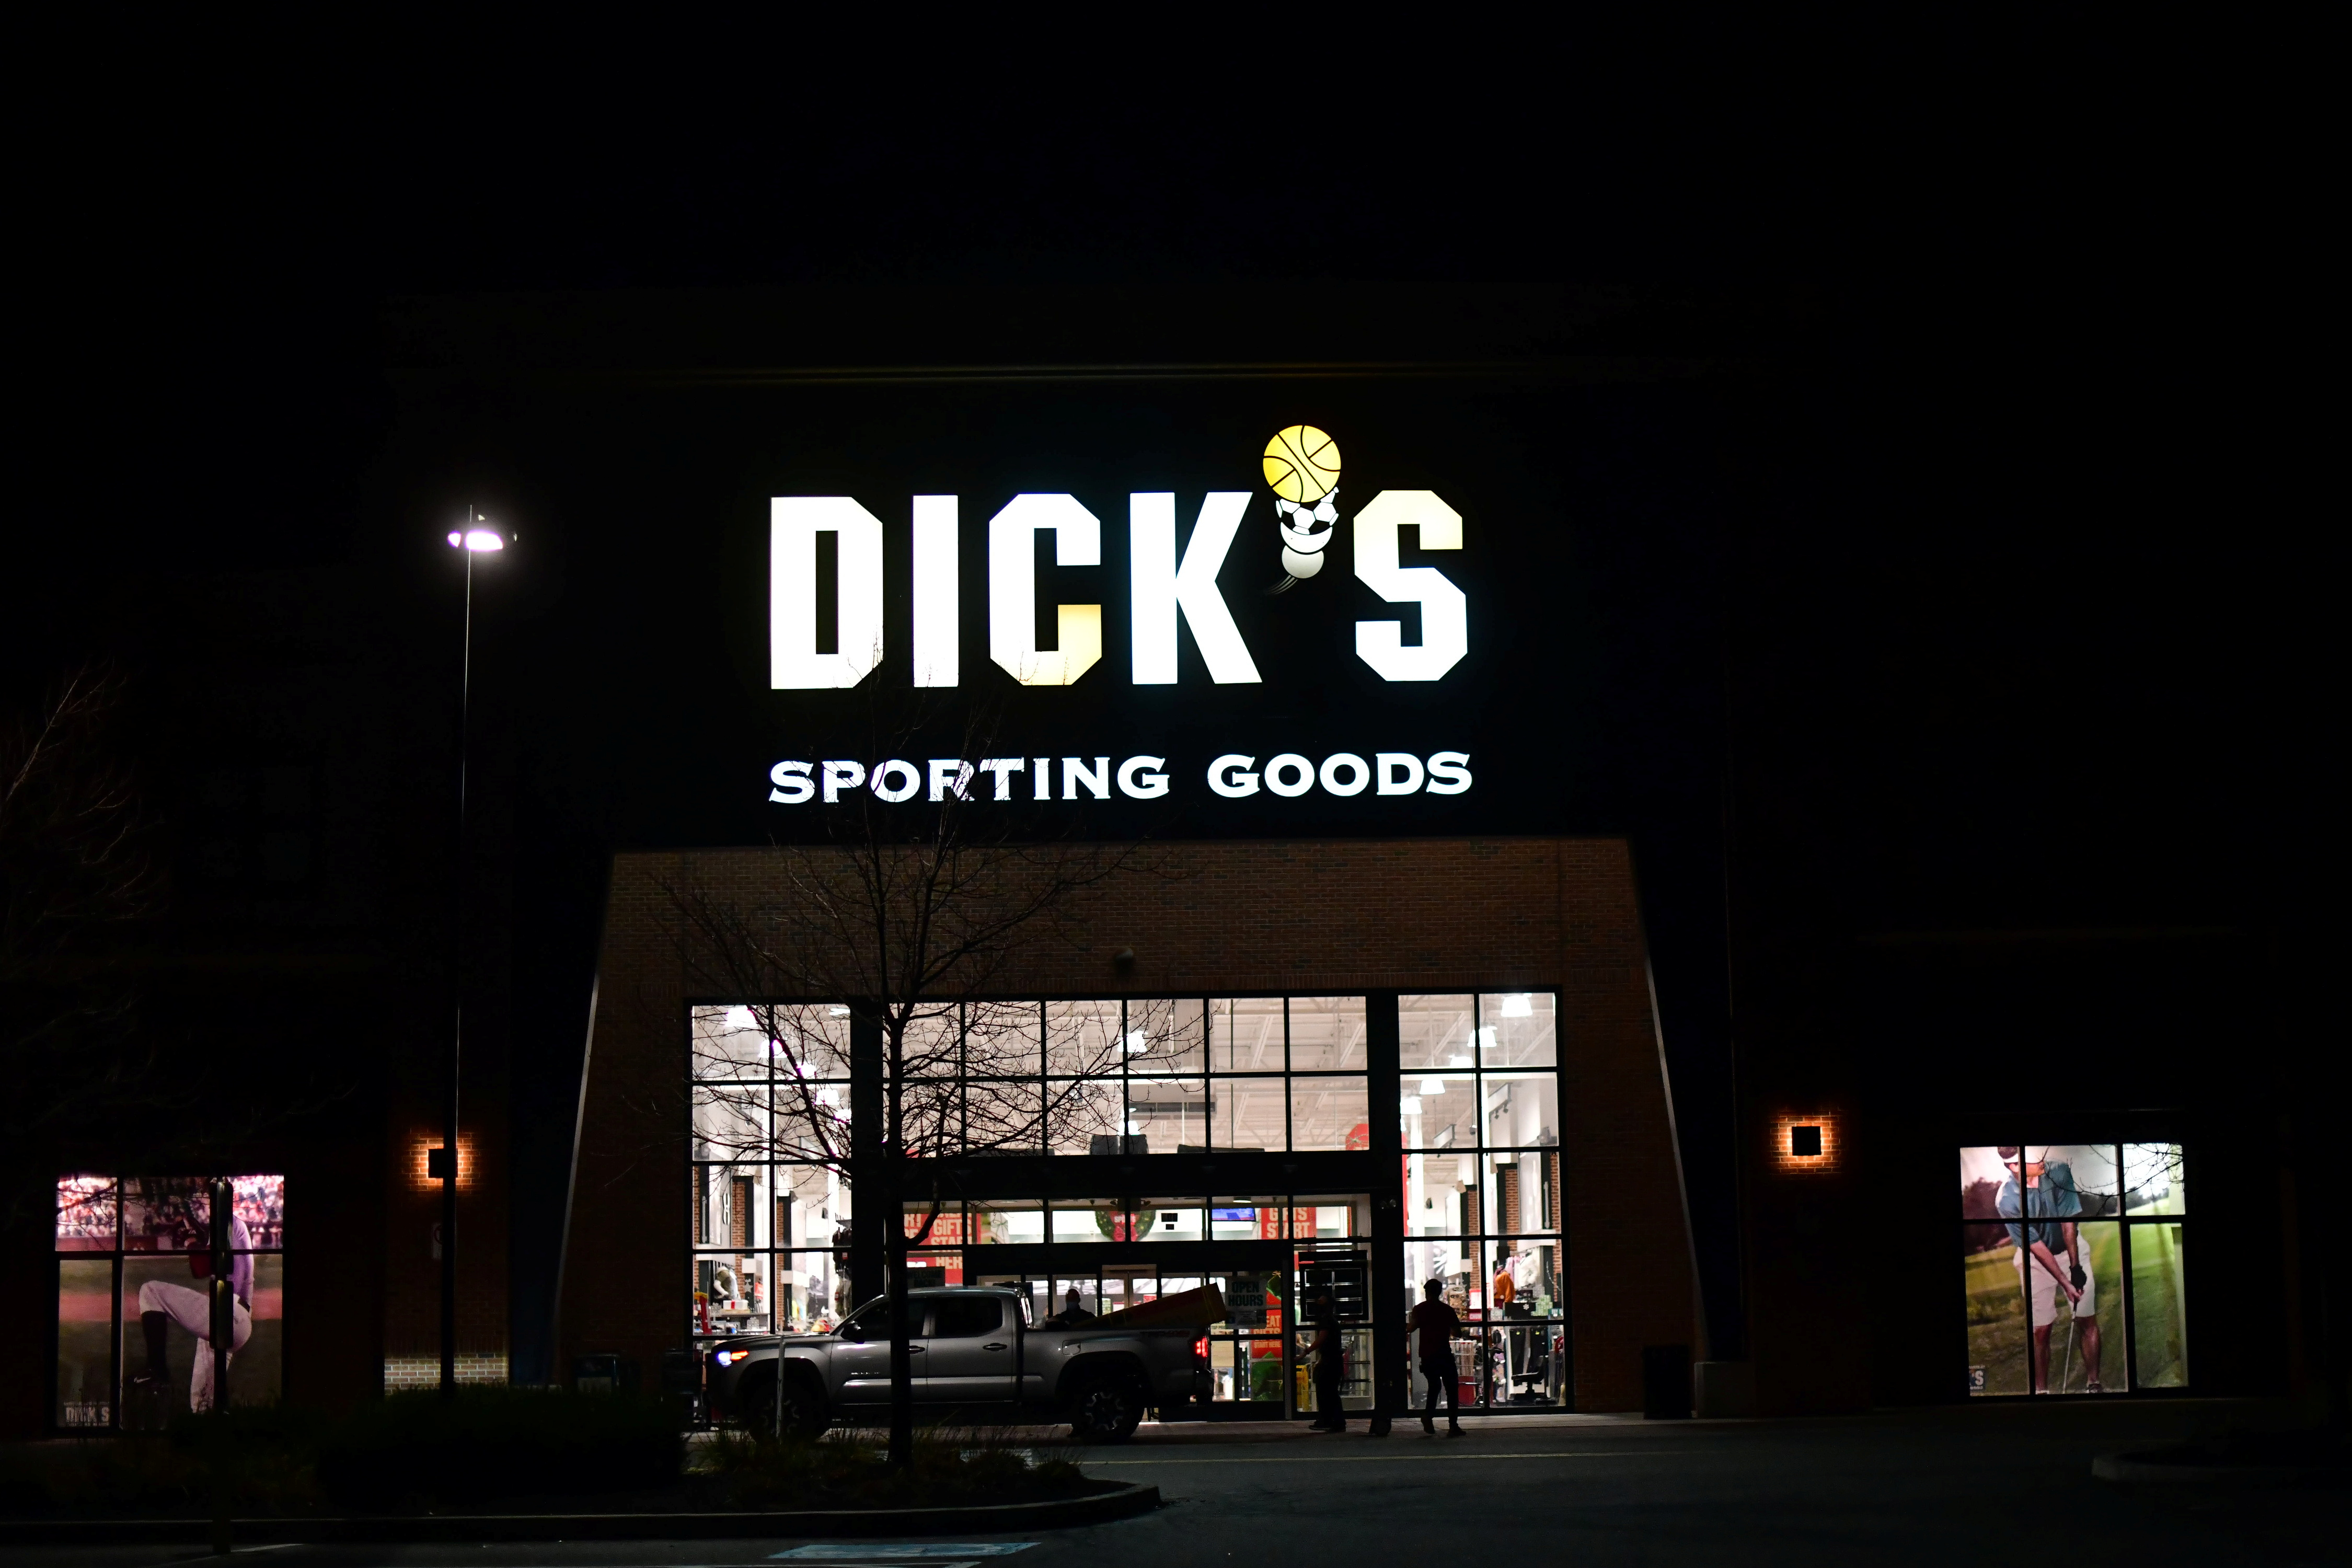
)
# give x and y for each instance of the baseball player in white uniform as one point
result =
(162, 1304)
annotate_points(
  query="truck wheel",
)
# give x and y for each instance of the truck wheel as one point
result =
(1107, 1409)
(803, 1409)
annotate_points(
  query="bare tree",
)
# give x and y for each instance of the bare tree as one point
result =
(74, 875)
(915, 920)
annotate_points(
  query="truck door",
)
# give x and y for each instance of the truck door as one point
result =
(968, 1355)
(857, 1371)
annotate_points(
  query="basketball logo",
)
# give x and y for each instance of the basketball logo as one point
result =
(1302, 468)
(1302, 465)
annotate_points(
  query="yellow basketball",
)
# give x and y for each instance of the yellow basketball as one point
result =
(1302, 464)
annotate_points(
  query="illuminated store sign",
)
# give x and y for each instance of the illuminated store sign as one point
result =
(1234, 775)
(1302, 468)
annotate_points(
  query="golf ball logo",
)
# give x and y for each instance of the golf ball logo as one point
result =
(1302, 469)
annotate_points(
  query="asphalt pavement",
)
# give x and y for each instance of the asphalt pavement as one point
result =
(1979, 1486)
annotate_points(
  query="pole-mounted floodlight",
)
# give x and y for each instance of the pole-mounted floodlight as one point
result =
(475, 538)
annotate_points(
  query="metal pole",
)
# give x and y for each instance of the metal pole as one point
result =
(223, 1333)
(458, 1010)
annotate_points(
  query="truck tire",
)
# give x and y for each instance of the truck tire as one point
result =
(1105, 1407)
(803, 1411)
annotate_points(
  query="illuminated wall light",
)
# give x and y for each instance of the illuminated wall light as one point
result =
(421, 1178)
(1806, 1144)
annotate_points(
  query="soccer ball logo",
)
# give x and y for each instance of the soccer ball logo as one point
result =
(1302, 467)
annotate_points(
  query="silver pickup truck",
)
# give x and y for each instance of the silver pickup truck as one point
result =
(975, 1357)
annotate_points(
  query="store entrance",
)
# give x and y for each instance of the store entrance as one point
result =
(1257, 1369)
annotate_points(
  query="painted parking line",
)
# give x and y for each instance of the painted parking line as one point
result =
(1379, 1458)
(897, 1551)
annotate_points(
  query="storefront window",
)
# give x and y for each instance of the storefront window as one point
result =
(770, 1136)
(2073, 1268)
(1478, 1102)
(134, 1298)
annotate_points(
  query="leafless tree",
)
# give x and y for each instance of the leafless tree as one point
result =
(915, 920)
(76, 875)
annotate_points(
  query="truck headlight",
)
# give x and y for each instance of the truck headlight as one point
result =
(727, 1358)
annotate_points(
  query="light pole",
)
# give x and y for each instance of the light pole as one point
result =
(476, 538)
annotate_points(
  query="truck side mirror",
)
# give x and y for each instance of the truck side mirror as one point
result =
(854, 1331)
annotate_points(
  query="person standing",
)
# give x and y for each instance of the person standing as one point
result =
(1435, 1326)
(1329, 1353)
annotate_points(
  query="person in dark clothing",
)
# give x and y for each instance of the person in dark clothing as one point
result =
(1329, 1352)
(1434, 1326)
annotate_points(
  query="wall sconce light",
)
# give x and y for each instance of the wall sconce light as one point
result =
(1805, 1144)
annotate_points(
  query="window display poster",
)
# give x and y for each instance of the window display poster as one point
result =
(2071, 1268)
(135, 1280)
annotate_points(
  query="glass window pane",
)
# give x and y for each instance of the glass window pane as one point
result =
(1433, 1032)
(812, 1292)
(1085, 1116)
(86, 1338)
(2160, 1307)
(806, 1042)
(1437, 1108)
(731, 1293)
(947, 1229)
(1522, 1109)
(1520, 1030)
(1443, 1191)
(1082, 1038)
(2154, 1179)
(260, 1208)
(729, 1043)
(1245, 1219)
(1995, 1307)
(932, 1046)
(731, 1121)
(1167, 1036)
(1099, 1221)
(165, 1214)
(1171, 1114)
(1518, 1192)
(1248, 1113)
(1245, 1035)
(2084, 1180)
(812, 1120)
(1004, 1116)
(930, 1269)
(2085, 1353)
(733, 1207)
(1074, 1293)
(1001, 1040)
(86, 1211)
(931, 1113)
(812, 1206)
(1327, 1033)
(1171, 1219)
(1533, 1263)
(1008, 1223)
(1329, 1113)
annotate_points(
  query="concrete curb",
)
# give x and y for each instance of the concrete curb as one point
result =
(1060, 1513)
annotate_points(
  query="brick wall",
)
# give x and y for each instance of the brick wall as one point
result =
(1424, 915)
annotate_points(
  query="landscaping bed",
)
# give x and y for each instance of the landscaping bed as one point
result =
(511, 1451)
